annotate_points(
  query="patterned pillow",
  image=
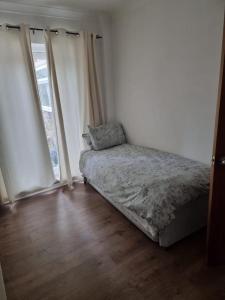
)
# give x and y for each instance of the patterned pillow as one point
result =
(87, 140)
(106, 136)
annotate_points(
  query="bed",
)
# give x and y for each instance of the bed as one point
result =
(163, 194)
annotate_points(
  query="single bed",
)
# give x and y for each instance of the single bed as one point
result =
(163, 194)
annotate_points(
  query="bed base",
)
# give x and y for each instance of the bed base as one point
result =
(189, 219)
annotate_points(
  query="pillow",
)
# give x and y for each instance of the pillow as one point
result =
(106, 136)
(87, 140)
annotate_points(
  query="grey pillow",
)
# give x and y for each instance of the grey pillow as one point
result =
(87, 140)
(106, 136)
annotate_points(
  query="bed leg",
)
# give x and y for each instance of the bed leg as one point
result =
(85, 180)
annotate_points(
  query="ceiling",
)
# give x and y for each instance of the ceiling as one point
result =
(98, 5)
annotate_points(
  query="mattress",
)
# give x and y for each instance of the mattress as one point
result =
(163, 194)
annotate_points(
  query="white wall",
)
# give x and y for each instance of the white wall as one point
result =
(166, 57)
(106, 26)
(48, 16)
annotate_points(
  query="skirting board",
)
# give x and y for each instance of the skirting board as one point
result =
(2, 286)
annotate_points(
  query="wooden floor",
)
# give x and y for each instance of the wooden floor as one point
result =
(75, 245)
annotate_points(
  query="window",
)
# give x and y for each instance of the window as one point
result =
(41, 69)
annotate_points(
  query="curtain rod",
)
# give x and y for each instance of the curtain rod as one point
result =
(51, 30)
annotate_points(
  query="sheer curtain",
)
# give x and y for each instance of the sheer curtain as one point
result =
(24, 155)
(76, 92)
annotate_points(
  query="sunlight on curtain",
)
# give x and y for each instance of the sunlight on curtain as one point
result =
(27, 145)
(76, 87)
(66, 52)
(4, 198)
(24, 154)
(65, 167)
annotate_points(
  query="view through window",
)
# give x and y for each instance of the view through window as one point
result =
(41, 68)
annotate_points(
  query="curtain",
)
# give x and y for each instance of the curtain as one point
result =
(76, 92)
(25, 163)
(4, 198)
(24, 155)
(59, 73)
(92, 86)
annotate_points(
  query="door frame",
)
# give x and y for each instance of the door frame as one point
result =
(216, 215)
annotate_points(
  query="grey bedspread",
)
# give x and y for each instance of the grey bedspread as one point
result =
(152, 184)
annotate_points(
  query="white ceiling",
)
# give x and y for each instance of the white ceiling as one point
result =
(99, 5)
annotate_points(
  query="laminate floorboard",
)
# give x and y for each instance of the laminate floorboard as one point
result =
(75, 245)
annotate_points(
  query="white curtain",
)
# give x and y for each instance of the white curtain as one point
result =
(24, 155)
(62, 81)
(25, 164)
(76, 90)
(4, 198)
